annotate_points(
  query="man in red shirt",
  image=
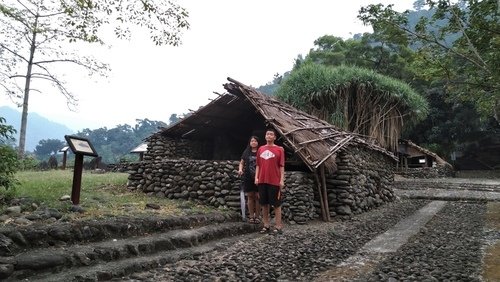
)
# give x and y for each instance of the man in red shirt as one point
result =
(270, 178)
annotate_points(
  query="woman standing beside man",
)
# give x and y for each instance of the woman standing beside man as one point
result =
(247, 170)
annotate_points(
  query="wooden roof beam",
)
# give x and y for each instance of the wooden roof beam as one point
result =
(309, 128)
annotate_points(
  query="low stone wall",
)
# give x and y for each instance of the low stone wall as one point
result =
(363, 181)
(215, 183)
(427, 172)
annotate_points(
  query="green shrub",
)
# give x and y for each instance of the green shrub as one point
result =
(8, 166)
(8, 156)
(29, 163)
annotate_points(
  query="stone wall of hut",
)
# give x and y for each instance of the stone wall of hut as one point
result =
(162, 148)
(363, 181)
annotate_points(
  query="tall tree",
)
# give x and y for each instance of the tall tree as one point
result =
(366, 51)
(145, 127)
(468, 62)
(48, 147)
(36, 33)
(173, 119)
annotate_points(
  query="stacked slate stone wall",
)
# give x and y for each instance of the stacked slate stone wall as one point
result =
(161, 148)
(363, 181)
(298, 200)
(215, 183)
(427, 172)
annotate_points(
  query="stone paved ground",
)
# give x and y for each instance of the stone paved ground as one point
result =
(449, 247)
(450, 240)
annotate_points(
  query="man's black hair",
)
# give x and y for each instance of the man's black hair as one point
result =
(273, 130)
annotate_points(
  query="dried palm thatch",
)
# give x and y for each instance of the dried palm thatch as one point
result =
(355, 99)
(314, 140)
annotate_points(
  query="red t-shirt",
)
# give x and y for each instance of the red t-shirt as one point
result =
(269, 160)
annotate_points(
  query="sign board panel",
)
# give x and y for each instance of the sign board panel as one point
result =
(80, 145)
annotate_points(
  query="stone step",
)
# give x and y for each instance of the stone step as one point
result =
(115, 257)
(16, 239)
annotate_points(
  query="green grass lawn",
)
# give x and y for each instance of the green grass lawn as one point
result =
(101, 195)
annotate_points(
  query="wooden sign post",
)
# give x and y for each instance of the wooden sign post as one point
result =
(80, 147)
(65, 156)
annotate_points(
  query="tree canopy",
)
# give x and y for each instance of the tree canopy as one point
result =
(48, 147)
(366, 51)
(457, 41)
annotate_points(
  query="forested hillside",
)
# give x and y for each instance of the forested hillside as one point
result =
(39, 127)
(46, 138)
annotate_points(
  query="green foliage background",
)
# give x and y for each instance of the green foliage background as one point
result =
(8, 157)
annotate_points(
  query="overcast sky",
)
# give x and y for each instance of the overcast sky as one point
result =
(249, 41)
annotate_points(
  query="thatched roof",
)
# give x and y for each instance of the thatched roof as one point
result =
(314, 140)
(438, 159)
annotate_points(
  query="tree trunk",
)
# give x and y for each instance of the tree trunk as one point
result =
(24, 116)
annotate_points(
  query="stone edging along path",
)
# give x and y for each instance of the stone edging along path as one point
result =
(14, 239)
(73, 245)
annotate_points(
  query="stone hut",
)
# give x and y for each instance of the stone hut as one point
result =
(415, 161)
(329, 172)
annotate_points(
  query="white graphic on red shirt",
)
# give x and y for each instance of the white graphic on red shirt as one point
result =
(266, 155)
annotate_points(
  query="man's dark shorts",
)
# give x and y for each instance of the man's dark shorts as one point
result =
(269, 195)
(249, 186)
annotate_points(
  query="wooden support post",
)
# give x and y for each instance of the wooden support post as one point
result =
(65, 156)
(321, 202)
(325, 194)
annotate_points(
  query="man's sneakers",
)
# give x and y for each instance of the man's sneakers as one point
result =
(268, 230)
(265, 230)
(277, 231)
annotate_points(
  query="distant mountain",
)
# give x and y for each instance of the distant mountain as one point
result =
(38, 128)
